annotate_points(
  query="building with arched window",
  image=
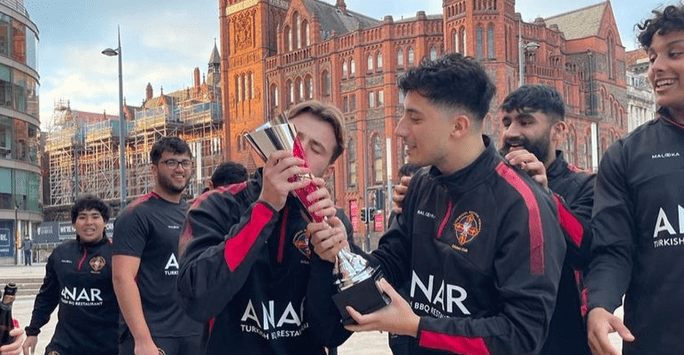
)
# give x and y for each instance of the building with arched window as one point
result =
(285, 41)
(20, 172)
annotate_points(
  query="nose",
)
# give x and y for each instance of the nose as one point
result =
(658, 64)
(513, 130)
(400, 130)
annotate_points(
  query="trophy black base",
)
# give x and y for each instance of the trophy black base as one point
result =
(365, 297)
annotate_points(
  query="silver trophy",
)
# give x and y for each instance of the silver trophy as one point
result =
(357, 282)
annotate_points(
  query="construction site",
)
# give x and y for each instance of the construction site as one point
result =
(82, 150)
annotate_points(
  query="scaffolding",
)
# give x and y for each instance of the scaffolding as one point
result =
(84, 158)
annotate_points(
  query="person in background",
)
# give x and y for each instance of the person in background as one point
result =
(245, 251)
(228, 173)
(477, 242)
(78, 278)
(145, 262)
(533, 117)
(27, 246)
(638, 215)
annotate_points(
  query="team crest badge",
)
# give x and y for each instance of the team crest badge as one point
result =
(96, 264)
(301, 242)
(467, 226)
(53, 353)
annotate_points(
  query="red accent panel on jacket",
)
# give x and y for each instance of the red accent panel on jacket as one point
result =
(454, 344)
(212, 320)
(446, 219)
(185, 237)
(237, 247)
(569, 222)
(535, 223)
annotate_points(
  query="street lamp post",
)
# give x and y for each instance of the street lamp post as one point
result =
(522, 48)
(122, 122)
(16, 233)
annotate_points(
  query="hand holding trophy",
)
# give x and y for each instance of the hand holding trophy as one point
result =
(357, 282)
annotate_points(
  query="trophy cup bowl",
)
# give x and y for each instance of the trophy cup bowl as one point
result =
(357, 281)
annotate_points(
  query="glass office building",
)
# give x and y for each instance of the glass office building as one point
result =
(20, 173)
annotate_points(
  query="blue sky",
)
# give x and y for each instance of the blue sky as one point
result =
(163, 42)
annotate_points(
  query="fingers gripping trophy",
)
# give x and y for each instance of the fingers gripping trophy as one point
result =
(357, 282)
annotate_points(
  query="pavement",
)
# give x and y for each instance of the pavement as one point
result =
(29, 278)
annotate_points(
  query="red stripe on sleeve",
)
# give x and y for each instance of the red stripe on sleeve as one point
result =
(535, 223)
(186, 236)
(569, 222)
(454, 344)
(238, 246)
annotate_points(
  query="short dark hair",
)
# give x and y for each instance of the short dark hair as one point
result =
(87, 203)
(228, 173)
(670, 19)
(408, 169)
(454, 81)
(327, 113)
(174, 145)
(533, 98)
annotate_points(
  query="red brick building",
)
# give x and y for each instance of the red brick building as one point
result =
(276, 53)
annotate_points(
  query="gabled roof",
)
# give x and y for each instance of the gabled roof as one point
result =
(91, 117)
(332, 18)
(581, 23)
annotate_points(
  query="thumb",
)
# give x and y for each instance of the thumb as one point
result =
(388, 289)
(621, 329)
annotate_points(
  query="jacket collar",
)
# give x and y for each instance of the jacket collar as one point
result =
(558, 167)
(473, 174)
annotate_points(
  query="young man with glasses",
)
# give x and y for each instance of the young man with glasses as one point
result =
(145, 262)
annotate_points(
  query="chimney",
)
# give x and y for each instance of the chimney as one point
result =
(148, 92)
(197, 77)
(342, 6)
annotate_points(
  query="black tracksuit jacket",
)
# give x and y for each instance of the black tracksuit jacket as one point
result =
(574, 195)
(78, 278)
(479, 253)
(248, 272)
(638, 243)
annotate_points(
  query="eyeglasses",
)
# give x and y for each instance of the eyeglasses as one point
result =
(173, 163)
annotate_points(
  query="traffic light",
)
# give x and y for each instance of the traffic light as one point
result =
(380, 199)
(367, 214)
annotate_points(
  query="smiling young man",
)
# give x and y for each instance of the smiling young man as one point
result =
(78, 278)
(533, 117)
(246, 267)
(477, 244)
(638, 214)
(145, 262)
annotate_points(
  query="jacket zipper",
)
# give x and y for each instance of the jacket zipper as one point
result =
(283, 229)
(85, 253)
(446, 219)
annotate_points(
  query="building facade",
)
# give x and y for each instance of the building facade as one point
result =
(82, 152)
(20, 173)
(641, 106)
(277, 53)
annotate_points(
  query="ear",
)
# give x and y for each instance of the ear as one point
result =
(558, 131)
(154, 171)
(461, 125)
(329, 171)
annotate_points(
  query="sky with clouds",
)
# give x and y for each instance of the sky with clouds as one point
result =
(162, 42)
